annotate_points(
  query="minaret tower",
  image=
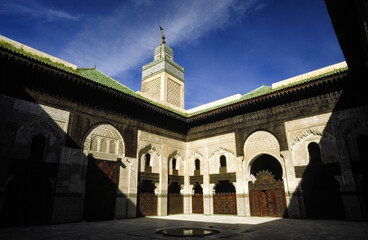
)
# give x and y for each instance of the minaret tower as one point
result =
(163, 79)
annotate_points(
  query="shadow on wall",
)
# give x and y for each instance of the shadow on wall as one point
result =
(320, 188)
(338, 188)
(43, 180)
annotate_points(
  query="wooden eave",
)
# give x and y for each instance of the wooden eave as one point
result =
(76, 79)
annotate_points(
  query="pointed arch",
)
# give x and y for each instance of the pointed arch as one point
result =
(149, 155)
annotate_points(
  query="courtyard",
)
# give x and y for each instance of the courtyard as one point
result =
(228, 227)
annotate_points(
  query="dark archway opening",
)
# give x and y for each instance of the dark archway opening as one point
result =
(266, 162)
(174, 187)
(224, 187)
(197, 188)
(147, 186)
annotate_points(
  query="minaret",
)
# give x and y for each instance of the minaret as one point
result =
(163, 79)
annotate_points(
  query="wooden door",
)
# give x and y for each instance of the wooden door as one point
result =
(100, 192)
(197, 203)
(146, 204)
(224, 203)
(267, 196)
(175, 203)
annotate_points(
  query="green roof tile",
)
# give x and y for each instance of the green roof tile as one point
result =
(96, 76)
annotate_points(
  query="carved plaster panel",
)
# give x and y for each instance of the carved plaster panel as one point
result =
(104, 141)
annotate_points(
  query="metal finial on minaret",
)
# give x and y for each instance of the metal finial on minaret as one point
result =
(162, 36)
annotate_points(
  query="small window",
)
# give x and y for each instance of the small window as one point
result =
(37, 151)
(222, 161)
(197, 164)
(147, 159)
(314, 153)
(174, 164)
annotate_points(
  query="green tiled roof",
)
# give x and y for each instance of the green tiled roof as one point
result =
(96, 76)
(41, 59)
(90, 74)
(257, 92)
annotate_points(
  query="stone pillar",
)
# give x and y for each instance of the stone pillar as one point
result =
(132, 187)
(291, 186)
(239, 186)
(246, 189)
(164, 183)
(187, 191)
(210, 198)
(246, 199)
(207, 192)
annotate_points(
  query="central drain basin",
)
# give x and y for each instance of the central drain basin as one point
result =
(188, 232)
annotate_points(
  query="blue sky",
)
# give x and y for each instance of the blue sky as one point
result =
(225, 46)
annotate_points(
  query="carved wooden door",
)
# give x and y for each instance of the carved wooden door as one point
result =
(175, 203)
(147, 204)
(224, 203)
(100, 192)
(197, 203)
(267, 196)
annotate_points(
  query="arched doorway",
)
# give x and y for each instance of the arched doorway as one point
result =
(267, 193)
(197, 199)
(104, 147)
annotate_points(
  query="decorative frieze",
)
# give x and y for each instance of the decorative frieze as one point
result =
(267, 113)
(163, 65)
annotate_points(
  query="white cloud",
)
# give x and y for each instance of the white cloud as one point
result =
(35, 10)
(127, 37)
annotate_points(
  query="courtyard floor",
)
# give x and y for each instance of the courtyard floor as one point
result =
(229, 227)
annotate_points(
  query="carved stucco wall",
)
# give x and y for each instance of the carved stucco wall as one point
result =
(37, 119)
(191, 162)
(154, 158)
(173, 92)
(258, 143)
(104, 142)
(153, 88)
(318, 129)
(180, 162)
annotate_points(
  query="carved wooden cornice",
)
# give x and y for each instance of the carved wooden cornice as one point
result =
(268, 112)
